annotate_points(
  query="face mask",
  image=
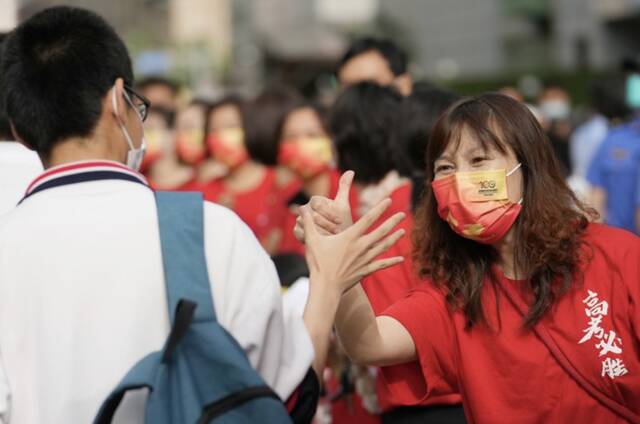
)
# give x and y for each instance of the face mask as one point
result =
(476, 205)
(633, 91)
(307, 157)
(555, 110)
(228, 147)
(134, 156)
(190, 146)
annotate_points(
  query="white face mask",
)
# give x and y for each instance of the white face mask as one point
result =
(555, 109)
(134, 156)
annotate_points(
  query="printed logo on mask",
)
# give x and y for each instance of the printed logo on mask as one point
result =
(483, 185)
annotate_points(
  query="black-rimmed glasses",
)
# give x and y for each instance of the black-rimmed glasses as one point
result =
(141, 103)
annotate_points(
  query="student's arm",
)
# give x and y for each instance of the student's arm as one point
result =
(248, 302)
(336, 263)
(367, 339)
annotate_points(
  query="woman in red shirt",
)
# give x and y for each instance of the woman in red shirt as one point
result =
(249, 187)
(306, 150)
(528, 311)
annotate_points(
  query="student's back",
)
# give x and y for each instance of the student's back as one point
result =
(81, 272)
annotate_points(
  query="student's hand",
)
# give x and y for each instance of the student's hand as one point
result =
(329, 216)
(339, 261)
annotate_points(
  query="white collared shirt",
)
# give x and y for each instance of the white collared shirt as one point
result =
(18, 166)
(82, 297)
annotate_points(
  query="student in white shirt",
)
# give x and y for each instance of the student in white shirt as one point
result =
(18, 165)
(82, 294)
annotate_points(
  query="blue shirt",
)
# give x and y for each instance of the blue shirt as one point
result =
(584, 143)
(616, 169)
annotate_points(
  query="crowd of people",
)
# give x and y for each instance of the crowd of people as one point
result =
(403, 254)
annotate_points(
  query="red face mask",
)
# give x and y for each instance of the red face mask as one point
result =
(228, 147)
(190, 146)
(307, 157)
(476, 205)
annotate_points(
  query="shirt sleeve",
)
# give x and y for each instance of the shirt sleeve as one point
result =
(248, 302)
(426, 318)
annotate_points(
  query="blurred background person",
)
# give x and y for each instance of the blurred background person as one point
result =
(378, 60)
(614, 172)
(607, 109)
(160, 164)
(161, 92)
(554, 104)
(254, 187)
(419, 113)
(18, 165)
(307, 150)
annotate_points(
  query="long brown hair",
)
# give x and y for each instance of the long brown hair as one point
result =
(548, 233)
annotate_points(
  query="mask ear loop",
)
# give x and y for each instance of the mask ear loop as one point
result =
(518, 166)
(124, 129)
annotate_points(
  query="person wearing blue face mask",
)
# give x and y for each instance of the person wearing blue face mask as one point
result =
(614, 173)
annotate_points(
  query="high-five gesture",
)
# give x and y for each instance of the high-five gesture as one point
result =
(331, 216)
(341, 260)
(339, 254)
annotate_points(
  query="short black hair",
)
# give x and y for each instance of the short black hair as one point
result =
(394, 55)
(5, 128)
(56, 69)
(262, 120)
(229, 100)
(608, 97)
(362, 122)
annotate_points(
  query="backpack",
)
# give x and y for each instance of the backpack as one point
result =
(202, 374)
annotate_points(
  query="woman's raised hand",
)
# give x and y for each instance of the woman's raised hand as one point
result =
(343, 259)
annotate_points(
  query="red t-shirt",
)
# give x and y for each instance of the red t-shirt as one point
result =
(506, 374)
(259, 208)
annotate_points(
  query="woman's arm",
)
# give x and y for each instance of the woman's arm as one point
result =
(369, 340)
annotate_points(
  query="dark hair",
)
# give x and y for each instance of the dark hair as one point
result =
(549, 231)
(362, 122)
(419, 113)
(394, 55)
(305, 104)
(56, 69)
(262, 119)
(230, 100)
(5, 128)
(608, 97)
(151, 80)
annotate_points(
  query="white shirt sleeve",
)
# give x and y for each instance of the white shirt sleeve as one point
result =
(248, 302)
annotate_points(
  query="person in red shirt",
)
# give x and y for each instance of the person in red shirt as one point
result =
(306, 149)
(528, 310)
(239, 136)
